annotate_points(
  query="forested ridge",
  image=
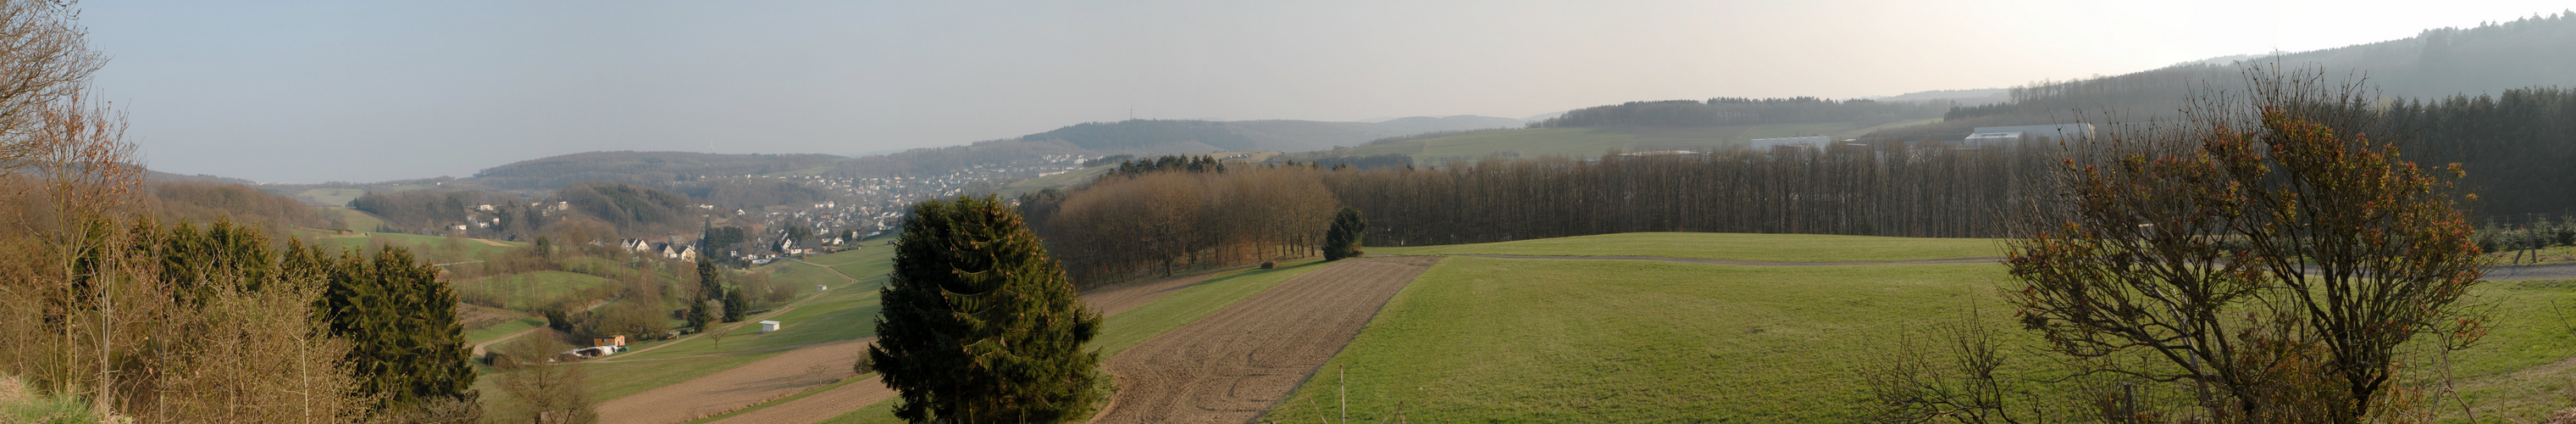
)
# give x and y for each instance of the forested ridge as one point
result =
(630, 167)
(1744, 111)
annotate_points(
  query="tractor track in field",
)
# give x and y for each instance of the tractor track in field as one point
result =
(1237, 362)
(809, 366)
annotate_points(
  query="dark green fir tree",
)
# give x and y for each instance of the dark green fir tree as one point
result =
(1343, 239)
(979, 324)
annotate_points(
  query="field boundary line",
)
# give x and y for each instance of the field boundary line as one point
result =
(1974, 260)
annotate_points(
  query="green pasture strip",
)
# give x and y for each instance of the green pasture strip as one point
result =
(494, 331)
(528, 291)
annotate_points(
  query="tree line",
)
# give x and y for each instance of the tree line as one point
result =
(1156, 223)
(1743, 111)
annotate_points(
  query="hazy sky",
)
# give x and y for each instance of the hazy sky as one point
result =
(335, 91)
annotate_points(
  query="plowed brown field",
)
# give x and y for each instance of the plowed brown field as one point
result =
(1237, 362)
(794, 372)
(771, 378)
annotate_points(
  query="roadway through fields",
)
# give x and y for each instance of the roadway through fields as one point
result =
(810, 366)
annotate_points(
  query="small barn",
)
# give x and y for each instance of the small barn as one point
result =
(608, 341)
(768, 326)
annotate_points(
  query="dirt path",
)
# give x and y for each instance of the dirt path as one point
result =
(478, 348)
(494, 243)
(1237, 362)
(800, 370)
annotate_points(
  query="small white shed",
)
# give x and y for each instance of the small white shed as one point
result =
(819, 287)
(768, 326)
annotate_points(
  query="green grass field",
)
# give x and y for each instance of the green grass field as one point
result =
(1480, 339)
(1728, 246)
(1593, 141)
(333, 196)
(1485, 339)
(487, 333)
(529, 291)
(1064, 180)
(847, 311)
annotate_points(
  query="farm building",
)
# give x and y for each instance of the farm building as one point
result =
(612, 341)
(768, 326)
(1809, 142)
(1987, 136)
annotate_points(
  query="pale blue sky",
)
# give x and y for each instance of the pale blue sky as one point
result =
(325, 91)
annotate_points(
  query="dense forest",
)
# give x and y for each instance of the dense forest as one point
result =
(624, 208)
(1742, 111)
(418, 210)
(1157, 223)
(2488, 59)
(210, 202)
(731, 193)
(631, 209)
(2519, 147)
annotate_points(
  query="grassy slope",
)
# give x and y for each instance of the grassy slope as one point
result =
(1480, 339)
(1144, 322)
(333, 196)
(1748, 247)
(526, 291)
(1067, 179)
(847, 311)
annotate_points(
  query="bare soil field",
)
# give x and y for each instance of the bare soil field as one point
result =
(776, 377)
(794, 372)
(1235, 363)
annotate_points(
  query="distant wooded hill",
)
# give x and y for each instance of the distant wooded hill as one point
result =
(651, 168)
(1144, 136)
(2437, 63)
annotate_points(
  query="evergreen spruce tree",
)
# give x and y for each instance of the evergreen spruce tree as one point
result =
(1343, 239)
(710, 287)
(979, 324)
(735, 305)
(399, 319)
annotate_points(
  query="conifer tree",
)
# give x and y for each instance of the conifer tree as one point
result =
(710, 287)
(735, 305)
(400, 321)
(1343, 240)
(980, 324)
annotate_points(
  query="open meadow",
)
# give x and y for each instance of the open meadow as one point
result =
(1582, 340)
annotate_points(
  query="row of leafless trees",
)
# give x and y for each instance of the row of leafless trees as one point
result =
(1157, 222)
(1885, 189)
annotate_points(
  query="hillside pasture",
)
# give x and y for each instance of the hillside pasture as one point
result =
(529, 291)
(331, 196)
(1582, 340)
